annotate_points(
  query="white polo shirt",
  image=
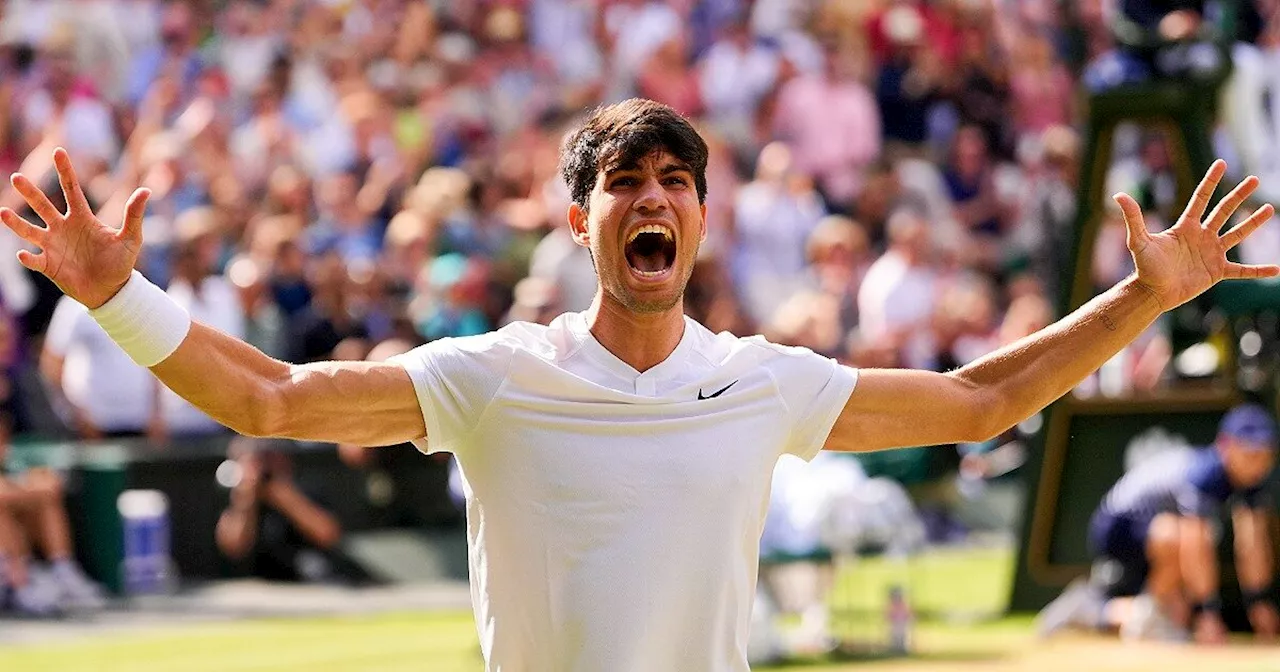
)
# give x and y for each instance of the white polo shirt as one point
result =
(614, 517)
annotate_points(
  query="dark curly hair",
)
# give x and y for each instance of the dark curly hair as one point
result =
(622, 134)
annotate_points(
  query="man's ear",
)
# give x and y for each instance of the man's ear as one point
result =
(703, 208)
(578, 225)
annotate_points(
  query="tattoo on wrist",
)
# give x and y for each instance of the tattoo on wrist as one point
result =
(1109, 323)
(1151, 293)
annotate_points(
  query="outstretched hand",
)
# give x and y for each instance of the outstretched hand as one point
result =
(86, 259)
(1182, 262)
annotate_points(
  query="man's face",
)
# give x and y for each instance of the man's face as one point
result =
(1247, 464)
(643, 226)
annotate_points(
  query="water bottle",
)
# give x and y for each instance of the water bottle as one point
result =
(899, 616)
(145, 518)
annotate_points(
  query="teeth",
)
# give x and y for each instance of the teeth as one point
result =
(652, 228)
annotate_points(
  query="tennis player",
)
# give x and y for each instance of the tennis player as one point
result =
(617, 462)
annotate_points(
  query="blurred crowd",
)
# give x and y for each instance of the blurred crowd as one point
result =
(891, 182)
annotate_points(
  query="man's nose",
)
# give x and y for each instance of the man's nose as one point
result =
(651, 197)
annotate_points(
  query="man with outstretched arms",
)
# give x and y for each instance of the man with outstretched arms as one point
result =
(617, 462)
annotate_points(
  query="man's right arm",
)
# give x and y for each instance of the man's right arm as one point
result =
(366, 403)
(234, 383)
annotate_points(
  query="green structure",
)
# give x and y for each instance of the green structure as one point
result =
(1080, 451)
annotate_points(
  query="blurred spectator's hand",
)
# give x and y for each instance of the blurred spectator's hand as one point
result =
(83, 426)
(1179, 25)
(42, 480)
(353, 456)
(246, 491)
(1265, 621)
(157, 431)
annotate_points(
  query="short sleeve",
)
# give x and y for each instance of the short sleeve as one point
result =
(1205, 489)
(455, 380)
(814, 389)
(1193, 501)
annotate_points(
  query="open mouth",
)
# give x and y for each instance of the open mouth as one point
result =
(651, 250)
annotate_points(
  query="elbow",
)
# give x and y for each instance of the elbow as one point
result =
(266, 414)
(989, 414)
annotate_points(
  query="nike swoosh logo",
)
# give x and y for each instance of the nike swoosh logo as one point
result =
(717, 393)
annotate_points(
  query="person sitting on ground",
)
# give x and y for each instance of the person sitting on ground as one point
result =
(1152, 537)
(32, 510)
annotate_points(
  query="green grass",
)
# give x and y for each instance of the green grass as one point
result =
(945, 582)
(412, 641)
(445, 642)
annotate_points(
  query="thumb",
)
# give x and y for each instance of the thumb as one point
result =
(1138, 236)
(32, 261)
(134, 210)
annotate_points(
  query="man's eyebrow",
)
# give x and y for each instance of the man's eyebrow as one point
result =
(666, 169)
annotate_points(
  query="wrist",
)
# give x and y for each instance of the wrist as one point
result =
(113, 293)
(144, 321)
(243, 499)
(1137, 286)
(1255, 596)
(1210, 606)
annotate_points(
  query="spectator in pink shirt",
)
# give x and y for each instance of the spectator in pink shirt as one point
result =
(832, 124)
(1042, 89)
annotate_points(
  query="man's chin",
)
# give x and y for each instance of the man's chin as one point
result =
(650, 300)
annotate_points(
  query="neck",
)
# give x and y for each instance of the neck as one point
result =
(642, 340)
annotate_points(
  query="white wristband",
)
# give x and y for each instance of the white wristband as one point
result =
(143, 321)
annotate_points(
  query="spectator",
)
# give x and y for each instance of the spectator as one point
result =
(176, 54)
(839, 256)
(32, 513)
(1040, 87)
(910, 80)
(970, 179)
(275, 528)
(897, 296)
(831, 123)
(102, 393)
(736, 73)
(667, 78)
(773, 217)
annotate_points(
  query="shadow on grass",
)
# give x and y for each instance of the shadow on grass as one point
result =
(867, 656)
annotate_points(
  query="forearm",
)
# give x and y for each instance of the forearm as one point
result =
(1199, 560)
(1031, 373)
(250, 392)
(238, 527)
(1254, 562)
(313, 522)
(226, 378)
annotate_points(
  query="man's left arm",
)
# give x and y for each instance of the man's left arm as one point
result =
(895, 408)
(1255, 567)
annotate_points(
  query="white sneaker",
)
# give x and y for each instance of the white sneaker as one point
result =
(78, 591)
(1148, 622)
(1080, 606)
(41, 597)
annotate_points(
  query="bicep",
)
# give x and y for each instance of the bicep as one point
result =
(894, 408)
(364, 403)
